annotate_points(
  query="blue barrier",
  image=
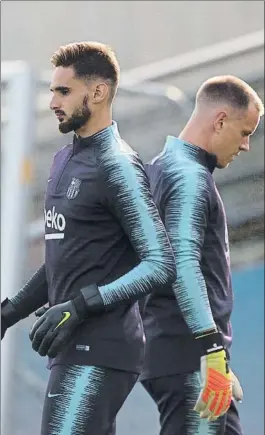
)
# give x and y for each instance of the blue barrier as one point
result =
(248, 346)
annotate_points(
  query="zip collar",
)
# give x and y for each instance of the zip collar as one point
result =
(193, 152)
(97, 139)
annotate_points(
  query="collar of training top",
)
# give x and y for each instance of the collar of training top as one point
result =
(96, 139)
(191, 151)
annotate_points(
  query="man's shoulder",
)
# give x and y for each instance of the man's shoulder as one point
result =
(65, 149)
(193, 171)
(124, 151)
(180, 176)
(118, 154)
(196, 181)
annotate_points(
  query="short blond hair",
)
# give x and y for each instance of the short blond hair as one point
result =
(231, 90)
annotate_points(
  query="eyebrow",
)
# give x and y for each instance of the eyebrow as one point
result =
(59, 89)
(248, 132)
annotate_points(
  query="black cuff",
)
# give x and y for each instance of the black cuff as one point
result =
(211, 342)
(89, 301)
(9, 313)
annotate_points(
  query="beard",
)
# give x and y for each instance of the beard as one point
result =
(78, 119)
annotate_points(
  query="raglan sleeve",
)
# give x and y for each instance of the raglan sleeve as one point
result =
(187, 206)
(126, 193)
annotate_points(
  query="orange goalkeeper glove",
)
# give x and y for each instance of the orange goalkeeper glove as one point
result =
(216, 380)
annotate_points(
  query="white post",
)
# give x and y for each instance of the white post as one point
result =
(16, 168)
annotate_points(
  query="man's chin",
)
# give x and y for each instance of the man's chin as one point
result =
(223, 165)
(65, 127)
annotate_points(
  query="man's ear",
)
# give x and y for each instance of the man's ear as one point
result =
(101, 92)
(219, 121)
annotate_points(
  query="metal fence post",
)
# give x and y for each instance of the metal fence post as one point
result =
(16, 171)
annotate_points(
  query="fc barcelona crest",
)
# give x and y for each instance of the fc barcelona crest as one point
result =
(74, 188)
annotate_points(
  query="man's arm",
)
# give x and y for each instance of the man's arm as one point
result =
(187, 207)
(186, 217)
(32, 296)
(127, 194)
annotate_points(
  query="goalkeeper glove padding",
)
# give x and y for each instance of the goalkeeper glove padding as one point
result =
(57, 324)
(216, 380)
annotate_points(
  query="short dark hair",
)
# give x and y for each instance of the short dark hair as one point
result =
(90, 60)
(229, 89)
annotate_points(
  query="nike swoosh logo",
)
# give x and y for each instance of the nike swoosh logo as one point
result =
(67, 315)
(53, 395)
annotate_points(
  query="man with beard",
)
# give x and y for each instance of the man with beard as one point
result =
(105, 247)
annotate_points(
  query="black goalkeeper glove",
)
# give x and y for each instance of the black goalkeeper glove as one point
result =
(57, 324)
(9, 316)
(54, 327)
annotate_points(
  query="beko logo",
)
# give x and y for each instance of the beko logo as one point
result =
(54, 221)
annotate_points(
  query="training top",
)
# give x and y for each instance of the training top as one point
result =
(183, 187)
(102, 227)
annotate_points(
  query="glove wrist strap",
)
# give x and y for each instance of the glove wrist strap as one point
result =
(89, 301)
(211, 342)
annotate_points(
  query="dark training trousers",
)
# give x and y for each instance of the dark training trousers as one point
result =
(84, 400)
(175, 397)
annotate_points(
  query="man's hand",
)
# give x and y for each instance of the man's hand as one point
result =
(9, 316)
(216, 380)
(57, 324)
(54, 328)
(4, 327)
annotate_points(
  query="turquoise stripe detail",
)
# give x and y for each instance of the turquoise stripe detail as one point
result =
(129, 194)
(131, 181)
(75, 401)
(192, 213)
(195, 425)
(186, 215)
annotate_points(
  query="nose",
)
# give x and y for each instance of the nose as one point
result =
(54, 103)
(245, 145)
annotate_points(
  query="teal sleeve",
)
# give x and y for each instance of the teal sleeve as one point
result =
(187, 210)
(127, 193)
